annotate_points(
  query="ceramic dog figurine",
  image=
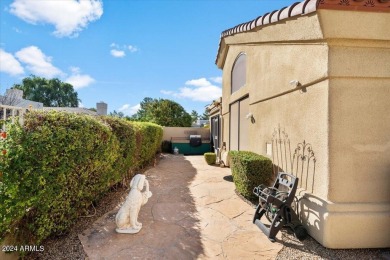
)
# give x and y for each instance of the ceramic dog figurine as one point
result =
(126, 218)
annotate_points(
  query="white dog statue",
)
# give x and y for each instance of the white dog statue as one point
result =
(126, 218)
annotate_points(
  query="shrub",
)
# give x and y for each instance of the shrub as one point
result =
(166, 146)
(249, 170)
(57, 164)
(148, 141)
(125, 133)
(210, 158)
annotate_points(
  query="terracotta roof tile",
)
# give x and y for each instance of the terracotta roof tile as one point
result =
(310, 7)
(265, 19)
(304, 8)
(297, 9)
(258, 21)
(280, 13)
(273, 16)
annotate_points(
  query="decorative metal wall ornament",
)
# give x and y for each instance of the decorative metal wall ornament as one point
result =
(281, 152)
(301, 164)
(303, 157)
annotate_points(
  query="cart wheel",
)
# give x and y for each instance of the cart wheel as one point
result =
(300, 232)
(257, 213)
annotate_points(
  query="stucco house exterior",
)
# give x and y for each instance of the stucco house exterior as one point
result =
(309, 86)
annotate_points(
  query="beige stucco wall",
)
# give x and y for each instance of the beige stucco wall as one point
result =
(185, 132)
(343, 57)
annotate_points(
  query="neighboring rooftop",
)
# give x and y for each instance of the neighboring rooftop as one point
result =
(14, 97)
(80, 110)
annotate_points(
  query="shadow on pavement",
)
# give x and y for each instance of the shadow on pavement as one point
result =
(170, 225)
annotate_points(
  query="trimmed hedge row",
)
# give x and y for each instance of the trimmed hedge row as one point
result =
(249, 170)
(57, 164)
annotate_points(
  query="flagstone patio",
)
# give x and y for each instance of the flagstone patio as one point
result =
(194, 213)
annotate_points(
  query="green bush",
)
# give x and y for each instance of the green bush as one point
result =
(57, 164)
(125, 132)
(148, 141)
(249, 170)
(210, 158)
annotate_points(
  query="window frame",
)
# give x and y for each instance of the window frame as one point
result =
(241, 54)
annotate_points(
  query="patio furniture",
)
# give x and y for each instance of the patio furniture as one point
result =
(276, 204)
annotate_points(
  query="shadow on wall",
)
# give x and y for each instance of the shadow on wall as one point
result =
(311, 210)
(302, 164)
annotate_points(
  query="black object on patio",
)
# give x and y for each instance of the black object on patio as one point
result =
(276, 204)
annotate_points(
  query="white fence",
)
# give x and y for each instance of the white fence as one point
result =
(11, 113)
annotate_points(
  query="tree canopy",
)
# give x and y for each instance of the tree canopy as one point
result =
(194, 115)
(164, 112)
(50, 92)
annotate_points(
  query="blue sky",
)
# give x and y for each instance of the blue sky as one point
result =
(120, 51)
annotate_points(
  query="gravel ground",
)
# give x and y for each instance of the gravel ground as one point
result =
(69, 246)
(311, 249)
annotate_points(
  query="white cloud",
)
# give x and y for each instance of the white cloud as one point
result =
(16, 30)
(202, 82)
(81, 105)
(80, 81)
(128, 110)
(75, 70)
(77, 80)
(216, 80)
(132, 48)
(9, 64)
(197, 90)
(69, 17)
(168, 92)
(118, 53)
(37, 62)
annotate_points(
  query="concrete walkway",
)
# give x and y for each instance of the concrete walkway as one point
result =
(194, 213)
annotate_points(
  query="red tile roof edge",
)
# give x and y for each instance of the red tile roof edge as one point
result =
(304, 8)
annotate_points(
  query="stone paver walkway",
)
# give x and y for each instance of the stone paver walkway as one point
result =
(194, 213)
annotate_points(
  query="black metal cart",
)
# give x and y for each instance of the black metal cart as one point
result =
(275, 203)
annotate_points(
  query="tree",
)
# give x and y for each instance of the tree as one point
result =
(50, 92)
(9, 98)
(117, 114)
(194, 115)
(164, 112)
(205, 115)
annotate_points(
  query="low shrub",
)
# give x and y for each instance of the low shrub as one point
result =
(249, 170)
(210, 158)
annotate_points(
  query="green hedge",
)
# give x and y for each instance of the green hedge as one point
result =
(249, 170)
(148, 138)
(125, 133)
(57, 164)
(210, 158)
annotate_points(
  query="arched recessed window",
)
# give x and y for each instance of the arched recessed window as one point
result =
(239, 72)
